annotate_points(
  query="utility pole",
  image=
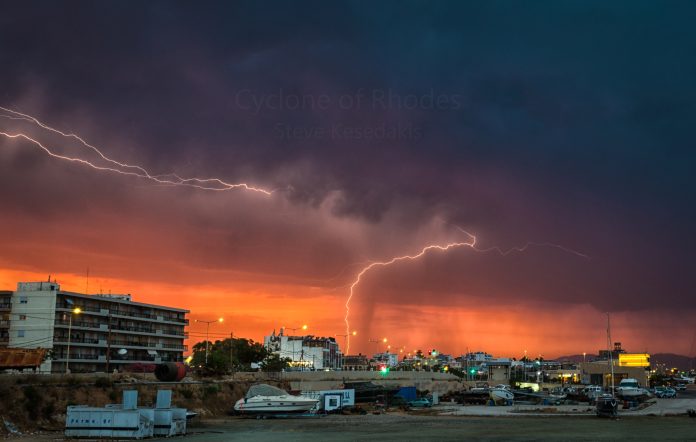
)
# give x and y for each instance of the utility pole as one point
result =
(108, 342)
(207, 333)
(75, 311)
(231, 351)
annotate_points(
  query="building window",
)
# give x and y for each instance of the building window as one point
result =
(20, 333)
(23, 299)
(22, 317)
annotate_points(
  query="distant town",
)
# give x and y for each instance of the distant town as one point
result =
(44, 329)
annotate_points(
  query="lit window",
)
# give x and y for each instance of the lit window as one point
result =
(22, 317)
(20, 333)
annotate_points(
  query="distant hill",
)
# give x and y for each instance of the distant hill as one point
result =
(669, 359)
(576, 358)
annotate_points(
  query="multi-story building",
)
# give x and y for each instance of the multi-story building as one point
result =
(88, 333)
(305, 352)
(357, 362)
(386, 358)
(5, 308)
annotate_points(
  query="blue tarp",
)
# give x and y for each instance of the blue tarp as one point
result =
(408, 393)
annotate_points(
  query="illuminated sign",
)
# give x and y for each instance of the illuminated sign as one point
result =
(634, 360)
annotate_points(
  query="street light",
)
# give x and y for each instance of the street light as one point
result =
(376, 341)
(75, 311)
(345, 338)
(207, 331)
(304, 327)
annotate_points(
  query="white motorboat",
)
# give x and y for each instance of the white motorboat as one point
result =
(501, 393)
(629, 388)
(266, 399)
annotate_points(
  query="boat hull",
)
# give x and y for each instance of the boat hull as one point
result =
(273, 406)
(501, 395)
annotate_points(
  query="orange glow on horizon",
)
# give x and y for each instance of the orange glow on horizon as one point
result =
(452, 329)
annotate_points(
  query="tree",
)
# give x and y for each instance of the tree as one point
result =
(274, 362)
(228, 355)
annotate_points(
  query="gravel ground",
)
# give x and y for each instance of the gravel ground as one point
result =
(440, 428)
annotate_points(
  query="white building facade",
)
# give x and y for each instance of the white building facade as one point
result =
(305, 352)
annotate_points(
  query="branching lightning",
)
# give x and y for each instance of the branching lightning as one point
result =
(214, 184)
(443, 248)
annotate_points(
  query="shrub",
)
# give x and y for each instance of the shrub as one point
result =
(48, 410)
(211, 390)
(103, 383)
(113, 396)
(186, 393)
(32, 400)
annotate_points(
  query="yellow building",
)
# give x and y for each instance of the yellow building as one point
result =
(634, 360)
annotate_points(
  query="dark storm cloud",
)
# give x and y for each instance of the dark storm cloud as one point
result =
(568, 122)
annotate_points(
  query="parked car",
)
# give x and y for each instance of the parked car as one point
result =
(665, 392)
(420, 403)
(680, 387)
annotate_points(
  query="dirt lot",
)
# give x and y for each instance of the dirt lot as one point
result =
(403, 427)
(426, 428)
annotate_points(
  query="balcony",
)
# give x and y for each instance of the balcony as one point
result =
(175, 333)
(122, 343)
(104, 327)
(175, 347)
(78, 357)
(133, 328)
(5, 306)
(68, 308)
(83, 324)
(156, 345)
(64, 340)
(129, 314)
(63, 307)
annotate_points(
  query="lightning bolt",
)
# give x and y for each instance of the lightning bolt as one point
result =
(442, 248)
(214, 184)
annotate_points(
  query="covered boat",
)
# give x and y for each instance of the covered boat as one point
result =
(267, 399)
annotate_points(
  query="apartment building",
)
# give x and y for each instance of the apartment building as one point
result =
(5, 308)
(89, 333)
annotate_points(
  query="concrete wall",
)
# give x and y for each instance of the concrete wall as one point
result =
(329, 380)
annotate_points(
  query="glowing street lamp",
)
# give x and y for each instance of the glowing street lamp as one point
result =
(345, 338)
(304, 327)
(294, 329)
(207, 333)
(75, 311)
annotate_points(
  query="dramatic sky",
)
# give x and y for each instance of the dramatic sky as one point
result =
(381, 128)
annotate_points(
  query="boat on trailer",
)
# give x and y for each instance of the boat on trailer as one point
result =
(263, 399)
